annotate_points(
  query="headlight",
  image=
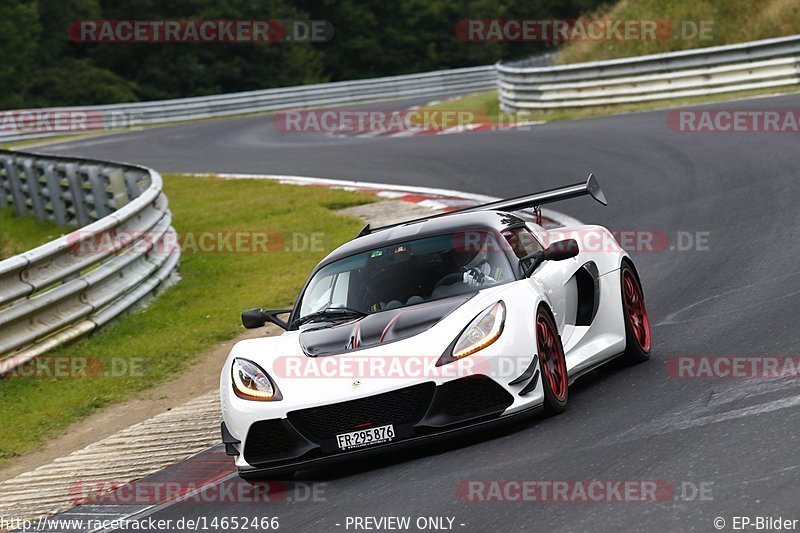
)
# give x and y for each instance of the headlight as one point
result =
(481, 332)
(250, 382)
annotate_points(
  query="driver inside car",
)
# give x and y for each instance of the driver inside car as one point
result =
(477, 275)
(472, 262)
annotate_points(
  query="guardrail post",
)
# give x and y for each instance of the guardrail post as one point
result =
(75, 194)
(5, 188)
(116, 187)
(34, 189)
(132, 183)
(54, 193)
(14, 184)
(98, 198)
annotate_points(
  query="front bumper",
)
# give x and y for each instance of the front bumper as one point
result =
(419, 413)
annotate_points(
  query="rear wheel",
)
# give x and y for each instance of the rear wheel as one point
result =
(552, 363)
(637, 323)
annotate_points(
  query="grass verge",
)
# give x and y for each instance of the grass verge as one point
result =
(487, 105)
(19, 234)
(151, 345)
(722, 22)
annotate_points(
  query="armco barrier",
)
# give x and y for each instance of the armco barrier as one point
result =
(68, 287)
(705, 71)
(105, 117)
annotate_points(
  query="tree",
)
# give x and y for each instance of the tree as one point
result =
(19, 33)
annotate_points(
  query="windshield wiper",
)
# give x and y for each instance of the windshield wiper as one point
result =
(329, 313)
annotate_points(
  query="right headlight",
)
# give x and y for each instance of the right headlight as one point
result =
(483, 331)
(250, 382)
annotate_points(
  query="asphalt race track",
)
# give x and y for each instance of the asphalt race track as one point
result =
(739, 296)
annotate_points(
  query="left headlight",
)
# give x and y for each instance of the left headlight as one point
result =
(250, 382)
(481, 332)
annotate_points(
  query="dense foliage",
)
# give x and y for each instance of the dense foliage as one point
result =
(42, 67)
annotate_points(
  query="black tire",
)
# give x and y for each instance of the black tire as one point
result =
(638, 339)
(552, 363)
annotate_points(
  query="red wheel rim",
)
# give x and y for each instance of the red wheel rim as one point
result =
(551, 357)
(637, 314)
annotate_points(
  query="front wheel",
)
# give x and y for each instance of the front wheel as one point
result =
(552, 363)
(637, 323)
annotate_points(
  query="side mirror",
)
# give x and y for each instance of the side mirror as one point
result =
(561, 250)
(254, 318)
(257, 318)
(558, 251)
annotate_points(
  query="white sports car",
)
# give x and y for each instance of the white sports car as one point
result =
(426, 328)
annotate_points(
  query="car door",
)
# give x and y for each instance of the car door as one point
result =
(554, 276)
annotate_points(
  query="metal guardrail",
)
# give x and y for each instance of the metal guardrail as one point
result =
(67, 288)
(705, 71)
(104, 117)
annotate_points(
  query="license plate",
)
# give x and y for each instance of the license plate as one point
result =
(365, 437)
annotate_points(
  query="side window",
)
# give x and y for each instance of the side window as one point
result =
(522, 242)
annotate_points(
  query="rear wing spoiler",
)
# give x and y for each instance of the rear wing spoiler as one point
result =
(531, 201)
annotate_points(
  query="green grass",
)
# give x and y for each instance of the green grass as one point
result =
(19, 234)
(195, 314)
(486, 104)
(483, 105)
(731, 21)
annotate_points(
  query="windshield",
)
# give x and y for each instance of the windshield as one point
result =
(408, 273)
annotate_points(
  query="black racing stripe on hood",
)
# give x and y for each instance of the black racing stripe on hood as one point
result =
(378, 328)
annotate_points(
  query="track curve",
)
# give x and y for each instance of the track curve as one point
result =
(738, 297)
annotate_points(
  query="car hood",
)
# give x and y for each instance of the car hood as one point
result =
(378, 328)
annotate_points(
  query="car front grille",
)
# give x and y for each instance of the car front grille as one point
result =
(400, 407)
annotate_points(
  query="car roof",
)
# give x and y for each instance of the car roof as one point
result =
(428, 227)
